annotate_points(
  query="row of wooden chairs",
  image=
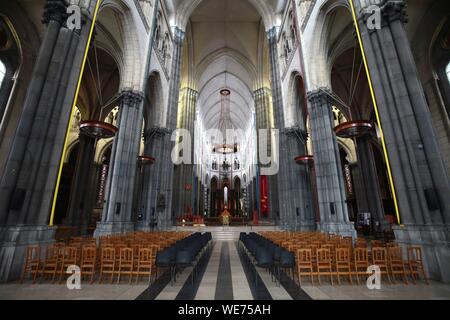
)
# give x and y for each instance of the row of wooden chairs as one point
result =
(125, 262)
(129, 255)
(390, 262)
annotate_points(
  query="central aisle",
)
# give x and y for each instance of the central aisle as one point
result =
(223, 277)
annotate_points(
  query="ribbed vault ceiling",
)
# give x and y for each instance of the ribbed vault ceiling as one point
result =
(225, 41)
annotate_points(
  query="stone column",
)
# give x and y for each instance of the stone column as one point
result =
(164, 166)
(370, 183)
(118, 209)
(184, 173)
(291, 179)
(263, 106)
(153, 145)
(330, 181)
(28, 182)
(299, 184)
(421, 182)
(80, 203)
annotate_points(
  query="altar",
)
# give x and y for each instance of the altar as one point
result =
(225, 216)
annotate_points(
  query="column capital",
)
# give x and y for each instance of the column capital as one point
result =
(297, 132)
(131, 98)
(390, 11)
(272, 33)
(322, 95)
(155, 132)
(178, 36)
(55, 10)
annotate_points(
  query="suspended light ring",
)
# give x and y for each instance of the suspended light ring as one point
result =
(304, 160)
(146, 160)
(354, 129)
(98, 129)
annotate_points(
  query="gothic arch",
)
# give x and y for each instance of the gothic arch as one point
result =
(132, 64)
(320, 58)
(295, 112)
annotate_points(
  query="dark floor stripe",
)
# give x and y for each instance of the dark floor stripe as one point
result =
(155, 289)
(224, 286)
(260, 291)
(294, 290)
(189, 291)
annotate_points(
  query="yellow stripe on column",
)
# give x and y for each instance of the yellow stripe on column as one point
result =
(63, 155)
(372, 92)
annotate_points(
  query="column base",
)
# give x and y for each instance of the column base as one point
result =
(306, 226)
(339, 228)
(13, 244)
(435, 243)
(108, 228)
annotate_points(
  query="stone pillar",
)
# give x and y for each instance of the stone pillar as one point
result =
(118, 210)
(370, 183)
(164, 166)
(263, 107)
(298, 181)
(153, 146)
(294, 202)
(184, 173)
(330, 181)
(80, 203)
(27, 185)
(421, 181)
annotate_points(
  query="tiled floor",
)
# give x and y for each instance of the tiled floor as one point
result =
(60, 292)
(434, 291)
(224, 274)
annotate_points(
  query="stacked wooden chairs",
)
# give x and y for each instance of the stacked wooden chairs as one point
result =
(110, 258)
(321, 255)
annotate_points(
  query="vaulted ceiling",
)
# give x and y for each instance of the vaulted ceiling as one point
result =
(224, 40)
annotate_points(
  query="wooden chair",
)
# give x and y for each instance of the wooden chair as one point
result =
(415, 263)
(343, 264)
(305, 265)
(313, 248)
(52, 260)
(145, 264)
(69, 258)
(361, 243)
(32, 263)
(88, 261)
(126, 263)
(361, 262)
(396, 263)
(323, 264)
(377, 244)
(380, 259)
(107, 262)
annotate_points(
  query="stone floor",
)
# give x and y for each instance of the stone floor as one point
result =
(224, 274)
(60, 292)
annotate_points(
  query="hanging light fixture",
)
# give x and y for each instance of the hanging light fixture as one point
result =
(305, 159)
(224, 124)
(98, 129)
(354, 129)
(146, 160)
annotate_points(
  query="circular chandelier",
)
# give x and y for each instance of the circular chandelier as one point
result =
(305, 159)
(354, 129)
(225, 124)
(146, 160)
(98, 129)
(225, 148)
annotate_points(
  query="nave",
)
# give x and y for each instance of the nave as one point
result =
(225, 270)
